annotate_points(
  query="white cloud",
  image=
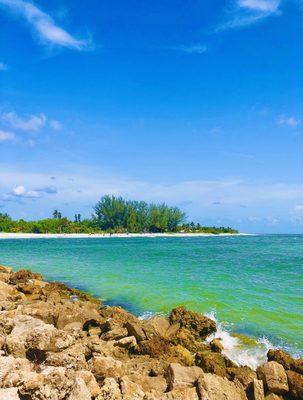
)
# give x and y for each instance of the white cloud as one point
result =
(55, 125)
(3, 66)
(191, 48)
(242, 13)
(7, 137)
(260, 5)
(33, 123)
(44, 25)
(288, 121)
(20, 191)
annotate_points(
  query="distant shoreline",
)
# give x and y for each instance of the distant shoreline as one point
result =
(10, 235)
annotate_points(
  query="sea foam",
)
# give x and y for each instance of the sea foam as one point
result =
(243, 352)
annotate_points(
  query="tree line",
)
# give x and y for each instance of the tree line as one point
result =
(114, 215)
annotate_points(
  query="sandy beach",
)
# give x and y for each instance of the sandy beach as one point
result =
(4, 235)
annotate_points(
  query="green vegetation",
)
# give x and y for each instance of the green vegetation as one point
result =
(114, 215)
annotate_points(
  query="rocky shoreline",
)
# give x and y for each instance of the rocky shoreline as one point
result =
(58, 343)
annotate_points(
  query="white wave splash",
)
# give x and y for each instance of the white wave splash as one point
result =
(243, 352)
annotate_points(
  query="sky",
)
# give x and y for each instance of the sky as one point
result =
(194, 103)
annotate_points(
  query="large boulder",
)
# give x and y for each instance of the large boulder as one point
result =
(295, 382)
(178, 376)
(73, 357)
(9, 394)
(90, 382)
(213, 387)
(199, 325)
(243, 376)
(9, 364)
(130, 390)
(159, 324)
(274, 377)
(23, 275)
(258, 390)
(180, 393)
(285, 359)
(106, 367)
(214, 363)
(110, 390)
(79, 391)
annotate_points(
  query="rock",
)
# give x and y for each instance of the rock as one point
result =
(295, 383)
(244, 376)
(115, 334)
(216, 345)
(274, 377)
(180, 354)
(77, 312)
(127, 342)
(258, 390)
(185, 338)
(159, 324)
(130, 390)
(197, 324)
(10, 364)
(134, 329)
(155, 347)
(23, 327)
(173, 330)
(79, 391)
(212, 387)
(273, 396)
(73, 357)
(90, 382)
(213, 363)
(178, 376)
(94, 331)
(106, 367)
(283, 358)
(24, 275)
(7, 291)
(4, 269)
(110, 390)
(9, 394)
(187, 393)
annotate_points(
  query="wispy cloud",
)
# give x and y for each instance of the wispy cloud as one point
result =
(241, 13)
(6, 136)
(44, 25)
(33, 123)
(291, 121)
(55, 125)
(196, 48)
(3, 66)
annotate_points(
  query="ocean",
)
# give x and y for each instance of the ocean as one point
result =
(251, 285)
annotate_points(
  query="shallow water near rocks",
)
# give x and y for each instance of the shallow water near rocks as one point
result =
(252, 285)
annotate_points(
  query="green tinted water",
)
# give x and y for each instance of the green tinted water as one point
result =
(252, 283)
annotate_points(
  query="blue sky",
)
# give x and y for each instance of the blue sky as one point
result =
(195, 103)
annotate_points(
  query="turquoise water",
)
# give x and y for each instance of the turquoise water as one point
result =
(253, 284)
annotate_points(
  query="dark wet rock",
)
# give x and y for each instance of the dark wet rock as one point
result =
(214, 363)
(295, 382)
(23, 275)
(199, 325)
(216, 345)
